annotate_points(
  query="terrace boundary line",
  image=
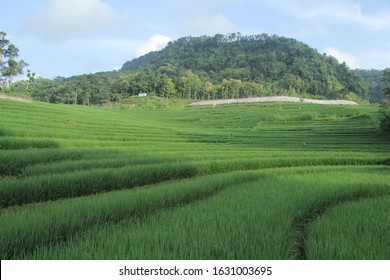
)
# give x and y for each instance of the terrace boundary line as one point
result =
(299, 251)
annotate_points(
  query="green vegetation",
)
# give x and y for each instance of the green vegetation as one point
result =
(9, 66)
(384, 119)
(251, 220)
(218, 67)
(374, 80)
(352, 231)
(159, 180)
(251, 65)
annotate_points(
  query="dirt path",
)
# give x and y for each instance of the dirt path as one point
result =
(273, 99)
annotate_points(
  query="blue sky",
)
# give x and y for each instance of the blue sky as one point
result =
(72, 37)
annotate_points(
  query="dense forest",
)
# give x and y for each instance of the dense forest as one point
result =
(277, 65)
(218, 67)
(376, 83)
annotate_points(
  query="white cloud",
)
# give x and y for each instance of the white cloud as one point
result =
(116, 44)
(377, 59)
(65, 19)
(204, 17)
(352, 13)
(341, 10)
(154, 43)
(349, 59)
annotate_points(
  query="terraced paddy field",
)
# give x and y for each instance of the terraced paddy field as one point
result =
(244, 181)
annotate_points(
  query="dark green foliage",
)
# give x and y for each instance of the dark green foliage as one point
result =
(231, 66)
(285, 65)
(384, 113)
(9, 66)
(386, 83)
(374, 79)
(384, 119)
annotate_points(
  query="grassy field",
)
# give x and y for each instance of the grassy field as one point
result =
(163, 181)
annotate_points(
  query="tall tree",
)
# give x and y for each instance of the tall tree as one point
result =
(385, 110)
(290, 66)
(166, 87)
(386, 79)
(9, 66)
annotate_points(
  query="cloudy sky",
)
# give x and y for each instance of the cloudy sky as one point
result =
(72, 37)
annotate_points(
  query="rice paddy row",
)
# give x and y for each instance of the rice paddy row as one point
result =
(352, 229)
(230, 182)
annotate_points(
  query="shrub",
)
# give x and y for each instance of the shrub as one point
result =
(384, 119)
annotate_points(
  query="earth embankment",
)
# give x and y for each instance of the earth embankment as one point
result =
(272, 99)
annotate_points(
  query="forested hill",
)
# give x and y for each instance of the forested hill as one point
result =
(218, 67)
(254, 65)
(375, 82)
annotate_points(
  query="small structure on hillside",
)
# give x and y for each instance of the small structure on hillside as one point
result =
(142, 94)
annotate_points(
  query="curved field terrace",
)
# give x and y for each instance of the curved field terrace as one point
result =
(274, 180)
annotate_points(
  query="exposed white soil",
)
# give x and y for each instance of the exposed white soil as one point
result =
(272, 99)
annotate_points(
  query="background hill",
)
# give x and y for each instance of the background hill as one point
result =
(375, 82)
(278, 65)
(218, 67)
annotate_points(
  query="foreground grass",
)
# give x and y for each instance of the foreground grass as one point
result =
(230, 182)
(255, 219)
(353, 230)
(22, 230)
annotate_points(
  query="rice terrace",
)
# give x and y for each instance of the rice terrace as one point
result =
(267, 180)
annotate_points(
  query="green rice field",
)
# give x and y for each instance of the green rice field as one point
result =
(249, 181)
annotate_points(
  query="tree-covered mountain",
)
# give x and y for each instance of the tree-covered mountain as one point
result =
(218, 67)
(279, 65)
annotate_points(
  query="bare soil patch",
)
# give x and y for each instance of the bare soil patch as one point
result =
(272, 99)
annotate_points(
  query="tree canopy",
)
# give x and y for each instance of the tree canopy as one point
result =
(9, 66)
(386, 80)
(218, 67)
(279, 64)
(384, 116)
(375, 82)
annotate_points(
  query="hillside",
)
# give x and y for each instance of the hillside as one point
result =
(374, 80)
(277, 65)
(219, 67)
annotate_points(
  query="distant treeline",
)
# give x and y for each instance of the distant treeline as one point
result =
(223, 66)
(375, 82)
